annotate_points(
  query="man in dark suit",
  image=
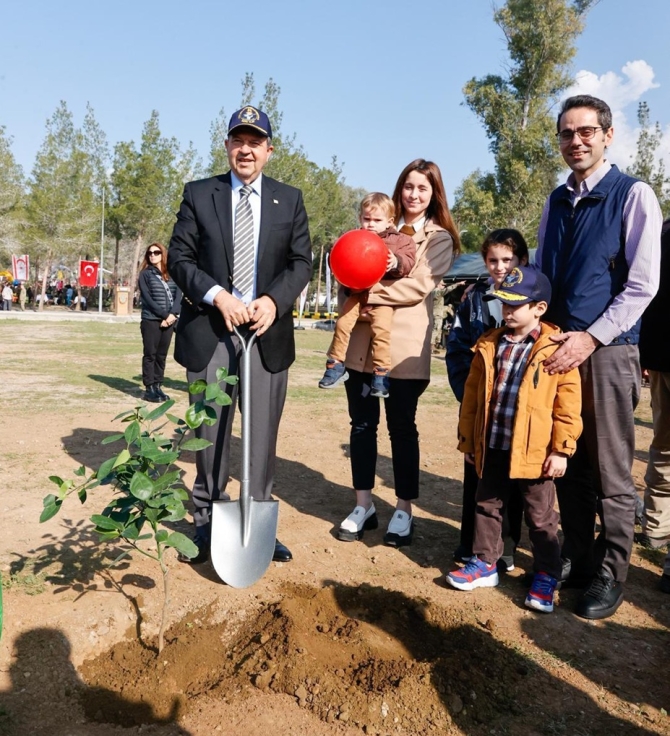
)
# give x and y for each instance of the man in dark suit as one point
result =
(241, 254)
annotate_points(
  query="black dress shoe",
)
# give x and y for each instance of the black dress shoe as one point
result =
(151, 395)
(602, 598)
(158, 389)
(282, 553)
(202, 543)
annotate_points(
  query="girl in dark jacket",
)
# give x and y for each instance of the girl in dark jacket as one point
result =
(161, 300)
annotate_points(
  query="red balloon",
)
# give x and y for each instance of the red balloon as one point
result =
(358, 259)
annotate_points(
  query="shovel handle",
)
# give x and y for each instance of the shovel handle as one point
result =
(245, 494)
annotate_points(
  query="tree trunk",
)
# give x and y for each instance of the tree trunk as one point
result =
(45, 276)
(318, 284)
(139, 246)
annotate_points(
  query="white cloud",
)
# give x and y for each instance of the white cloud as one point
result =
(620, 92)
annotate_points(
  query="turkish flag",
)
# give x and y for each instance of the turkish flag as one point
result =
(88, 273)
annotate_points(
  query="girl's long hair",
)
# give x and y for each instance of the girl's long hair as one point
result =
(163, 267)
(438, 209)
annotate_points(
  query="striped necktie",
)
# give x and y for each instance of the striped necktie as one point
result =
(408, 230)
(243, 240)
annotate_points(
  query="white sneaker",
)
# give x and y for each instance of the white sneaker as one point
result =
(360, 519)
(400, 530)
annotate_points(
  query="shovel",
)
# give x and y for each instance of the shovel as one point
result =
(244, 531)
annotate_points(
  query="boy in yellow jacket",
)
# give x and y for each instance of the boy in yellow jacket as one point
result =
(518, 423)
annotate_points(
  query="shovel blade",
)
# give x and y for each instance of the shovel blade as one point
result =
(237, 564)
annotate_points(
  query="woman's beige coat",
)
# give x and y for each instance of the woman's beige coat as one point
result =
(412, 300)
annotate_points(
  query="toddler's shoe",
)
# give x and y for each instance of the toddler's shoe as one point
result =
(541, 593)
(336, 373)
(360, 519)
(400, 530)
(380, 383)
(476, 574)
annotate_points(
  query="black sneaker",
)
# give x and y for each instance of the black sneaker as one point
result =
(602, 598)
(160, 393)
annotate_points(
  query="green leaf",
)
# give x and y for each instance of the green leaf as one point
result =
(175, 420)
(197, 387)
(127, 413)
(132, 432)
(231, 380)
(182, 544)
(151, 515)
(212, 391)
(111, 438)
(56, 479)
(223, 400)
(80, 471)
(107, 536)
(166, 480)
(51, 507)
(131, 532)
(160, 410)
(104, 522)
(195, 444)
(221, 374)
(141, 486)
(121, 458)
(161, 536)
(176, 514)
(82, 495)
(105, 469)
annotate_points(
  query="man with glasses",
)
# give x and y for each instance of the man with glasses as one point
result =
(599, 245)
(241, 254)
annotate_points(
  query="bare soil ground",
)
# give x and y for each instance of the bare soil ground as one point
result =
(348, 638)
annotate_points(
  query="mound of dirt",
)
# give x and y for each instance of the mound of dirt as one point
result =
(361, 656)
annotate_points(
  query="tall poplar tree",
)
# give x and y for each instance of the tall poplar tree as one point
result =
(517, 112)
(645, 165)
(146, 189)
(61, 212)
(11, 190)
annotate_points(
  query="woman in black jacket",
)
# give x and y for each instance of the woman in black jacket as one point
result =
(161, 300)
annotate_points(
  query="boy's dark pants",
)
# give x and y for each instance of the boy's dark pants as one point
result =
(539, 497)
(512, 513)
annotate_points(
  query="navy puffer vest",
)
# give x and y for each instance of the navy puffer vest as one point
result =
(583, 254)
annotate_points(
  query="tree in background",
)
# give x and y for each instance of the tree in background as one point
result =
(146, 187)
(62, 215)
(516, 112)
(11, 192)
(645, 165)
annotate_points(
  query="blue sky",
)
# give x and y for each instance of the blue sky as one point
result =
(375, 83)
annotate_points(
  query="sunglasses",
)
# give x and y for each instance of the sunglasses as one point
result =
(154, 253)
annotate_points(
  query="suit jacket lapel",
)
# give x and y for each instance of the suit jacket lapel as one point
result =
(223, 193)
(268, 211)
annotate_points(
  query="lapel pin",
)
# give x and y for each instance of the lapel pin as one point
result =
(275, 201)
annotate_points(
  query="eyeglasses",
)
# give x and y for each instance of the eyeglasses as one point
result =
(154, 253)
(585, 133)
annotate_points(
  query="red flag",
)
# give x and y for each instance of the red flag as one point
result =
(20, 267)
(88, 273)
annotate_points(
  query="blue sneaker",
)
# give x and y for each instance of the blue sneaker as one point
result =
(380, 383)
(541, 593)
(476, 574)
(336, 373)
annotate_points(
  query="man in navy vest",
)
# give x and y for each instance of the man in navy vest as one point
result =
(599, 245)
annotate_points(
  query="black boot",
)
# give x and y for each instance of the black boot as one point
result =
(151, 395)
(160, 393)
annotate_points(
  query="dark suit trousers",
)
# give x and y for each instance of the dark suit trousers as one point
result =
(268, 393)
(598, 478)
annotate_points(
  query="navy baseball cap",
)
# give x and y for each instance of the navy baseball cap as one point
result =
(250, 117)
(523, 284)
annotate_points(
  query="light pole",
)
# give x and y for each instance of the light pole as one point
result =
(102, 250)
